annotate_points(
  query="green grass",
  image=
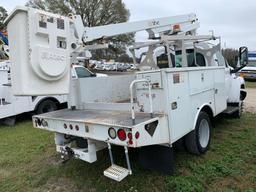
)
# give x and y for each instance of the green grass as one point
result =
(250, 84)
(28, 162)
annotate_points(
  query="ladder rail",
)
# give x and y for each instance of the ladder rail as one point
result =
(127, 159)
(110, 154)
(131, 98)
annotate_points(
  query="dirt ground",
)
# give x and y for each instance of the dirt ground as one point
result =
(250, 101)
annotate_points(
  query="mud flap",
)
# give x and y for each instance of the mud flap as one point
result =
(157, 158)
(243, 95)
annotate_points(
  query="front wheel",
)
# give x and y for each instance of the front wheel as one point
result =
(198, 140)
(238, 113)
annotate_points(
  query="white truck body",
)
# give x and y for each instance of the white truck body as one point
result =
(190, 94)
(155, 106)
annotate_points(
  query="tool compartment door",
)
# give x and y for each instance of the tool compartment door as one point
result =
(179, 105)
(220, 91)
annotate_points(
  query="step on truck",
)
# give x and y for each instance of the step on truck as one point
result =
(174, 95)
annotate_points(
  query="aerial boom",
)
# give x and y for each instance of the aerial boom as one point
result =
(188, 22)
(46, 44)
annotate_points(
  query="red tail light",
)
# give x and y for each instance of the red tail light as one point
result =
(121, 134)
(137, 135)
(129, 135)
(77, 127)
(176, 28)
(70, 126)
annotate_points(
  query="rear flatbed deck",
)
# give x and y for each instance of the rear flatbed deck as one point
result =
(104, 117)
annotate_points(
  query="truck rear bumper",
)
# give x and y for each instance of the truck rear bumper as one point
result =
(87, 154)
(95, 125)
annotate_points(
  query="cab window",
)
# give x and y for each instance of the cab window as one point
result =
(194, 60)
(200, 60)
(83, 72)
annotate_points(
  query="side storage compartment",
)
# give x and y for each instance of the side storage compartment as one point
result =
(179, 104)
(189, 91)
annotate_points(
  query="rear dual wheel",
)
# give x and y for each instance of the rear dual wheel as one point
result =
(198, 140)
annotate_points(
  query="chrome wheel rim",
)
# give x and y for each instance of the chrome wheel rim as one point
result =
(204, 133)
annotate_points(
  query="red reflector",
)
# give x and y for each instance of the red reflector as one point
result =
(77, 127)
(121, 134)
(130, 142)
(70, 126)
(129, 135)
(176, 28)
(137, 135)
(65, 126)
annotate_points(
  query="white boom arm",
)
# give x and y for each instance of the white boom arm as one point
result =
(45, 45)
(154, 26)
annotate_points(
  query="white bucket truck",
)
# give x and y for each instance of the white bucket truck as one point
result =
(175, 98)
(11, 105)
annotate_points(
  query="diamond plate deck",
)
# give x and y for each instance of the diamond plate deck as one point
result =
(105, 117)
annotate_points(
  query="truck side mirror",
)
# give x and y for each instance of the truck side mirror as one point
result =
(236, 59)
(243, 59)
(243, 56)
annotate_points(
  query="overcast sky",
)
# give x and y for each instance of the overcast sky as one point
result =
(233, 20)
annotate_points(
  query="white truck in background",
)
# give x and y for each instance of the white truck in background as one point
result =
(171, 99)
(249, 72)
(11, 105)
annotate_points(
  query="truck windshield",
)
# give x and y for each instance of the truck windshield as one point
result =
(83, 72)
(252, 64)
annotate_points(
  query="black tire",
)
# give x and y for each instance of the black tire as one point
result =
(237, 114)
(9, 121)
(179, 145)
(46, 106)
(196, 144)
